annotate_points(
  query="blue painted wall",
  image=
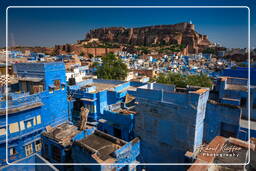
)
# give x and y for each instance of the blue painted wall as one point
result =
(220, 118)
(54, 109)
(169, 124)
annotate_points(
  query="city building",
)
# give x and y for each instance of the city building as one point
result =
(99, 148)
(97, 94)
(118, 119)
(57, 143)
(221, 120)
(169, 121)
(42, 87)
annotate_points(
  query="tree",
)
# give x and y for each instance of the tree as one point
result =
(90, 55)
(81, 54)
(183, 80)
(112, 68)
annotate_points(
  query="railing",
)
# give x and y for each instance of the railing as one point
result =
(22, 101)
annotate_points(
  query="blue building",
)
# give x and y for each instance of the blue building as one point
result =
(169, 121)
(40, 102)
(40, 164)
(57, 143)
(232, 88)
(97, 94)
(100, 148)
(118, 119)
(221, 120)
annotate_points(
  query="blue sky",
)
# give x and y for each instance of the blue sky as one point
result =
(47, 27)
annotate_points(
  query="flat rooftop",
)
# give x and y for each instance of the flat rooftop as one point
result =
(236, 87)
(102, 145)
(62, 134)
(101, 86)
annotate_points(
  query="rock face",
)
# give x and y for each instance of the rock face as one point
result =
(181, 33)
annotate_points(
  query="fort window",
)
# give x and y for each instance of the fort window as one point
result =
(12, 151)
(56, 153)
(2, 131)
(38, 145)
(57, 84)
(28, 149)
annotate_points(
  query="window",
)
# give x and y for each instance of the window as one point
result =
(56, 153)
(28, 149)
(22, 125)
(50, 90)
(38, 145)
(34, 121)
(12, 151)
(62, 86)
(28, 123)
(228, 130)
(45, 151)
(14, 127)
(117, 133)
(57, 84)
(243, 101)
(38, 119)
(2, 131)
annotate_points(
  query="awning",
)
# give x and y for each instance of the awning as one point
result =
(33, 79)
(51, 86)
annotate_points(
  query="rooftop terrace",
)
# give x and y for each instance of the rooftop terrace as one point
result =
(101, 145)
(62, 134)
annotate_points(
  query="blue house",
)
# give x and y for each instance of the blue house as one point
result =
(40, 102)
(100, 148)
(221, 120)
(232, 88)
(169, 121)
(118, 120)
(57, 143)
(97, 94)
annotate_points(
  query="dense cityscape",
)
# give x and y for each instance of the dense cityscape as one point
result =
(123, 98)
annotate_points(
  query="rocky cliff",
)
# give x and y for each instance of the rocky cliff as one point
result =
(181, 33)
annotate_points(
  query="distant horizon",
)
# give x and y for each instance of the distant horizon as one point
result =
(47, 27)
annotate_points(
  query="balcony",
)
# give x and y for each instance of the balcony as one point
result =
(21, 103)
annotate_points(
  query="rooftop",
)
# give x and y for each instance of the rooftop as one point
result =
(101, 86)
(101, 145)
(62, 134)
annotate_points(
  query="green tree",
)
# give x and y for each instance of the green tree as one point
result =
(112, 68)
(90, 55)
(81, 54)
(183, 80)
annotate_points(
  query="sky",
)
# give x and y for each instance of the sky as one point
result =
(50, 26)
